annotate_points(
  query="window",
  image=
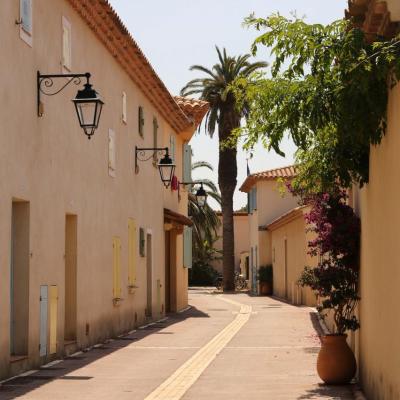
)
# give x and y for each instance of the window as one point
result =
(141, 121)
(187, 163)
(253, 200)
(155, 141)
(116, 268)
(111, 153)
(66, 45)
(26, 25)
(187, 247)
(124, 116)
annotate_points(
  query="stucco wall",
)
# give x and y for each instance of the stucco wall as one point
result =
(380, 265)
(287, 272)
(49, 162)
(242, 242)
(271, 204)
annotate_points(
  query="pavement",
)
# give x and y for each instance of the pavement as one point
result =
(225, 346)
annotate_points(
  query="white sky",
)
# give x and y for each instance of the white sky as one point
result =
(176, 34)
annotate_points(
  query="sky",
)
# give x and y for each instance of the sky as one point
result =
(176, 34)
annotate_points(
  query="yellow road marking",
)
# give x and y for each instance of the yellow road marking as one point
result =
(185, 376)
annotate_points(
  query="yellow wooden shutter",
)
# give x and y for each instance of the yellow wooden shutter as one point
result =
(116, 267)
(132, 252)
(53, 318)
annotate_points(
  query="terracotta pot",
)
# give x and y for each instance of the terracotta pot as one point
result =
(336, 363)
(265, 288)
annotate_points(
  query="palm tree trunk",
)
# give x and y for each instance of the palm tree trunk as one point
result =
(227, 174)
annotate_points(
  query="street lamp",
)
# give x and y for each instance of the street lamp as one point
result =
(88, 104)
(165, 166)
(201, 194)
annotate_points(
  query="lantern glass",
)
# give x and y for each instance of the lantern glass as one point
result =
(201, 197)
(88, 108)
(166, 168)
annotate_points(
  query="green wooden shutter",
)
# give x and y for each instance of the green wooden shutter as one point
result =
(187, 163)
(187, 247)
(155, 140)
(142, 243)
(172, 147)
(141, 121)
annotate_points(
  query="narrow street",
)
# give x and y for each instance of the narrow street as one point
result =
(224, 346)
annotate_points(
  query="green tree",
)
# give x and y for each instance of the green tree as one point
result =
(328, 90)
(225, 115)
(205, 219)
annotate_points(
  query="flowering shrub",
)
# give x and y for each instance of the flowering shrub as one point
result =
(337, 242)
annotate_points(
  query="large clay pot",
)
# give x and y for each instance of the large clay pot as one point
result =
(336, 363)
(265, 288)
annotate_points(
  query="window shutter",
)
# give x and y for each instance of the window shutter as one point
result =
(142, 243)
(131, 252)
(53, 318)
(26, 15)
(155, 140)
(141, 121)
(255, 198)
(66, 43)
(111, 153)
(116, 267)
(124, 116)
(172, 147)
(187, 247)
(187, 163)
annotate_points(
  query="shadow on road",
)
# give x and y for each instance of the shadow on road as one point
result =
(64, 370)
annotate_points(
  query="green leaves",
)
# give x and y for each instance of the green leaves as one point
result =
(328, 90)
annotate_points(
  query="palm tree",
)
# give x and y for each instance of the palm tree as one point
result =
(205, 219)
(224, 113)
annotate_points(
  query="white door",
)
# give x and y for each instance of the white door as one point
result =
(43, 320)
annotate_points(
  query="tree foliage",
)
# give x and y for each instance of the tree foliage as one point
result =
(336, 243)
(328, 90)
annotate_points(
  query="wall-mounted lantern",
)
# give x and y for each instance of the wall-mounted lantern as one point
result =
(88, 104)
(201, 194)
(166, 166)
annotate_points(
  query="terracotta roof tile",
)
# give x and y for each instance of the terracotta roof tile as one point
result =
(195, 109)
(111, 31)
(373, 17)
(270, 175)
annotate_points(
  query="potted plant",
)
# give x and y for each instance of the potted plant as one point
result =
(265, 278)
(334, 280)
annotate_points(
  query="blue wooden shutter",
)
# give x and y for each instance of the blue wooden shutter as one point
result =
(172, 147)
(43, 321)
(187, 247)
(187, 163)
(255, 198)
(155, 140)
(26, 15)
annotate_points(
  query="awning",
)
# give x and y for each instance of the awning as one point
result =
(176, 218)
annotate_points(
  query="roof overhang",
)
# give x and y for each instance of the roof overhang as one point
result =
(110, 30)
(373, 17)
(284, 219)
(175, 221)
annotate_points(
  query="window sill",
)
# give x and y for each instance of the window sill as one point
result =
(14, 359)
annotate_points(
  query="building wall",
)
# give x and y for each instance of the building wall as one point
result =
(289, 263)
(271, 204)
(380, 265)
(241, 232)
(50, 163)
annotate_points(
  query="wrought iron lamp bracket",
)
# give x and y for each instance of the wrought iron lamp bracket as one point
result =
(47, 81)
(140, 154)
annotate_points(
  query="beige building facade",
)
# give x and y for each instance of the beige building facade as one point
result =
(89, 247)
(268, 200)
(242, 243)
